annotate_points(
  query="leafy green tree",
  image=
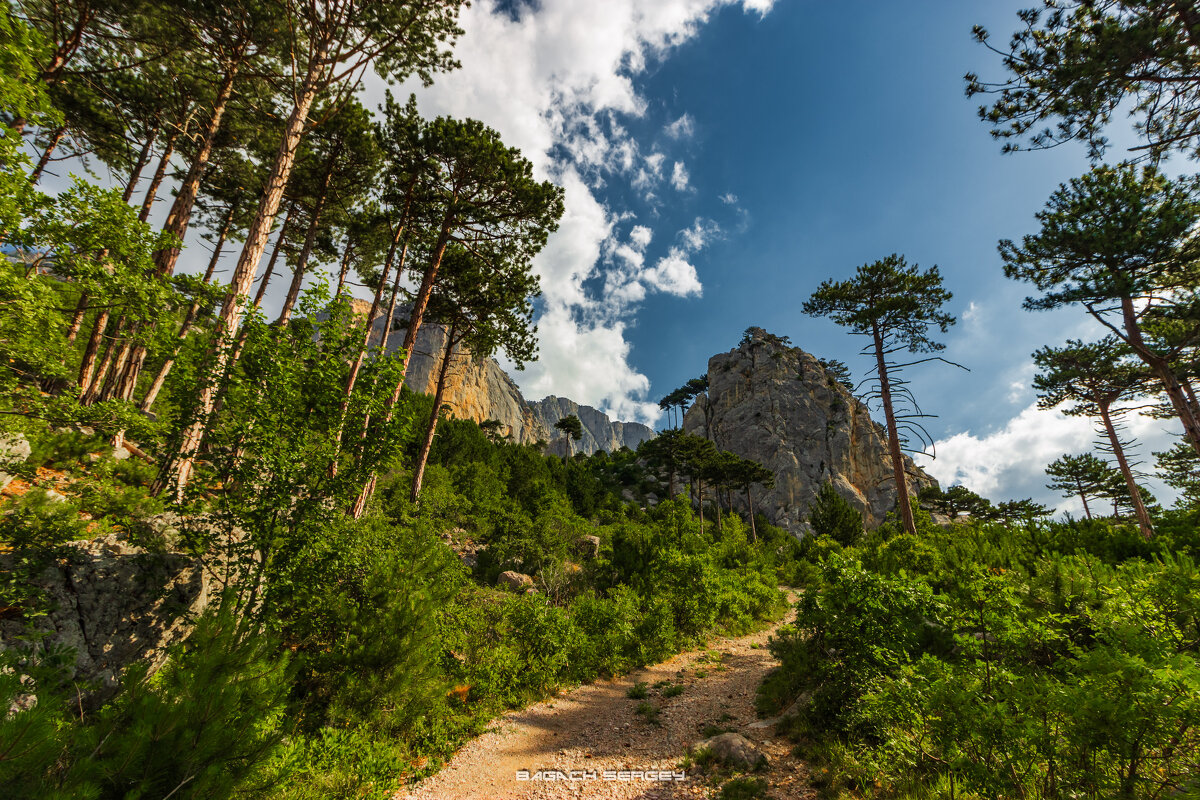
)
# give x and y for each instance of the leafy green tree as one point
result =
(1082, 475)
(1092, 378)
(831, 515)
(1120, 243)
(894, 305)
(1073, 64)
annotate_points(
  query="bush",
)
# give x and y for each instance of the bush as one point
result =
(832, 515)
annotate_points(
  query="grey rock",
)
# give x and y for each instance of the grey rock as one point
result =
(55, 496)
(121, 453)
(114, 604)
(14, 449)
(775, 404)
(514, 581)
(478, 389)
(732, 749)
(588, 546)
(599, 432)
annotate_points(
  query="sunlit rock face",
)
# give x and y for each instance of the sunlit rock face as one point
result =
(775, 404)
(478, 389)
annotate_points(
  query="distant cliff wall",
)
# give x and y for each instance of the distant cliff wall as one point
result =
(478, 389)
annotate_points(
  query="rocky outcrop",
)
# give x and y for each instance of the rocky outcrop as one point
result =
(114, 604)
(478, 389)
(599, 432)
(776, 404)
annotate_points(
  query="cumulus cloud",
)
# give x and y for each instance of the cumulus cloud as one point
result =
(682, 128)
(556, 80)
(679, 177)
(1010, 462)
(729, 199)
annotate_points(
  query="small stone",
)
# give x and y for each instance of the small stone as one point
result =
(121, 453)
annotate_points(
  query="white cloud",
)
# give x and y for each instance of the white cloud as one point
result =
(729, 199)
(555, 82)
(682, 128)
(971, 313)
(1010, 463)
(679, 177)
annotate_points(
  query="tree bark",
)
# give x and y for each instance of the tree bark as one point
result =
(180, 215)
(270, 270)
(343, 269)
(233, 310)
(427, 445)
(1161, 368)
(87, 365)
(310, 238)
(135, 174)
(885, 392)
(1083, 496)
(44, 161)
(190, 318)
(159, 174)
(1135, 493)
(700, 494)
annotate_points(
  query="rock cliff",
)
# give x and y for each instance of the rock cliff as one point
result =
(776, 404)
(478, 389)
(599, 432)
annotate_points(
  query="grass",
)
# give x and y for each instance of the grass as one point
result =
(673, 690)
(637, 692)
(649, 712)
(744, 789)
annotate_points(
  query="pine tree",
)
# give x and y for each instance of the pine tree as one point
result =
(894, 305)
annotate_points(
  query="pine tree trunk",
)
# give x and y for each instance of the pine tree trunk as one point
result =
(1083, 496)
(410, 340)
(81, 307)
(44, 161)
(270, 270)
(700, 492)
(343, 269)
(87, 365)
(1161, 368)
(427, 445)
(310, 238)
(95, 386)
(180, 215)
(1135, 493)
(885, 392)
(369, 324)
(192, 313)
(233, 310)
(159, 174)
(135, 174)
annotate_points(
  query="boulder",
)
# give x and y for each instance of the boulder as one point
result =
(732, 749)
(14, 449)
(588, 547)
(514, 581)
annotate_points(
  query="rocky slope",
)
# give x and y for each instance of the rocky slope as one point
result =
(775, 404)
(479, 389)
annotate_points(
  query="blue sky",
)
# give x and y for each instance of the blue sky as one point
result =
(722, 158)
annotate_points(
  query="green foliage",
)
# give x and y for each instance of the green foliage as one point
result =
(1037, 659)
(744, 788)
(832, 515)
(1073, 65)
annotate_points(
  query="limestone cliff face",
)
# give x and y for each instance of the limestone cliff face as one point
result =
(599, 432)
(775, 404)
(478, 389)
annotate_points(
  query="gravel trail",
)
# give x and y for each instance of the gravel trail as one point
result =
(597, 728)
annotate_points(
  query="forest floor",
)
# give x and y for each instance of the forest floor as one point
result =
(582, 733)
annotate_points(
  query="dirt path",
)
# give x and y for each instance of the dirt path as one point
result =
(597, 728)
